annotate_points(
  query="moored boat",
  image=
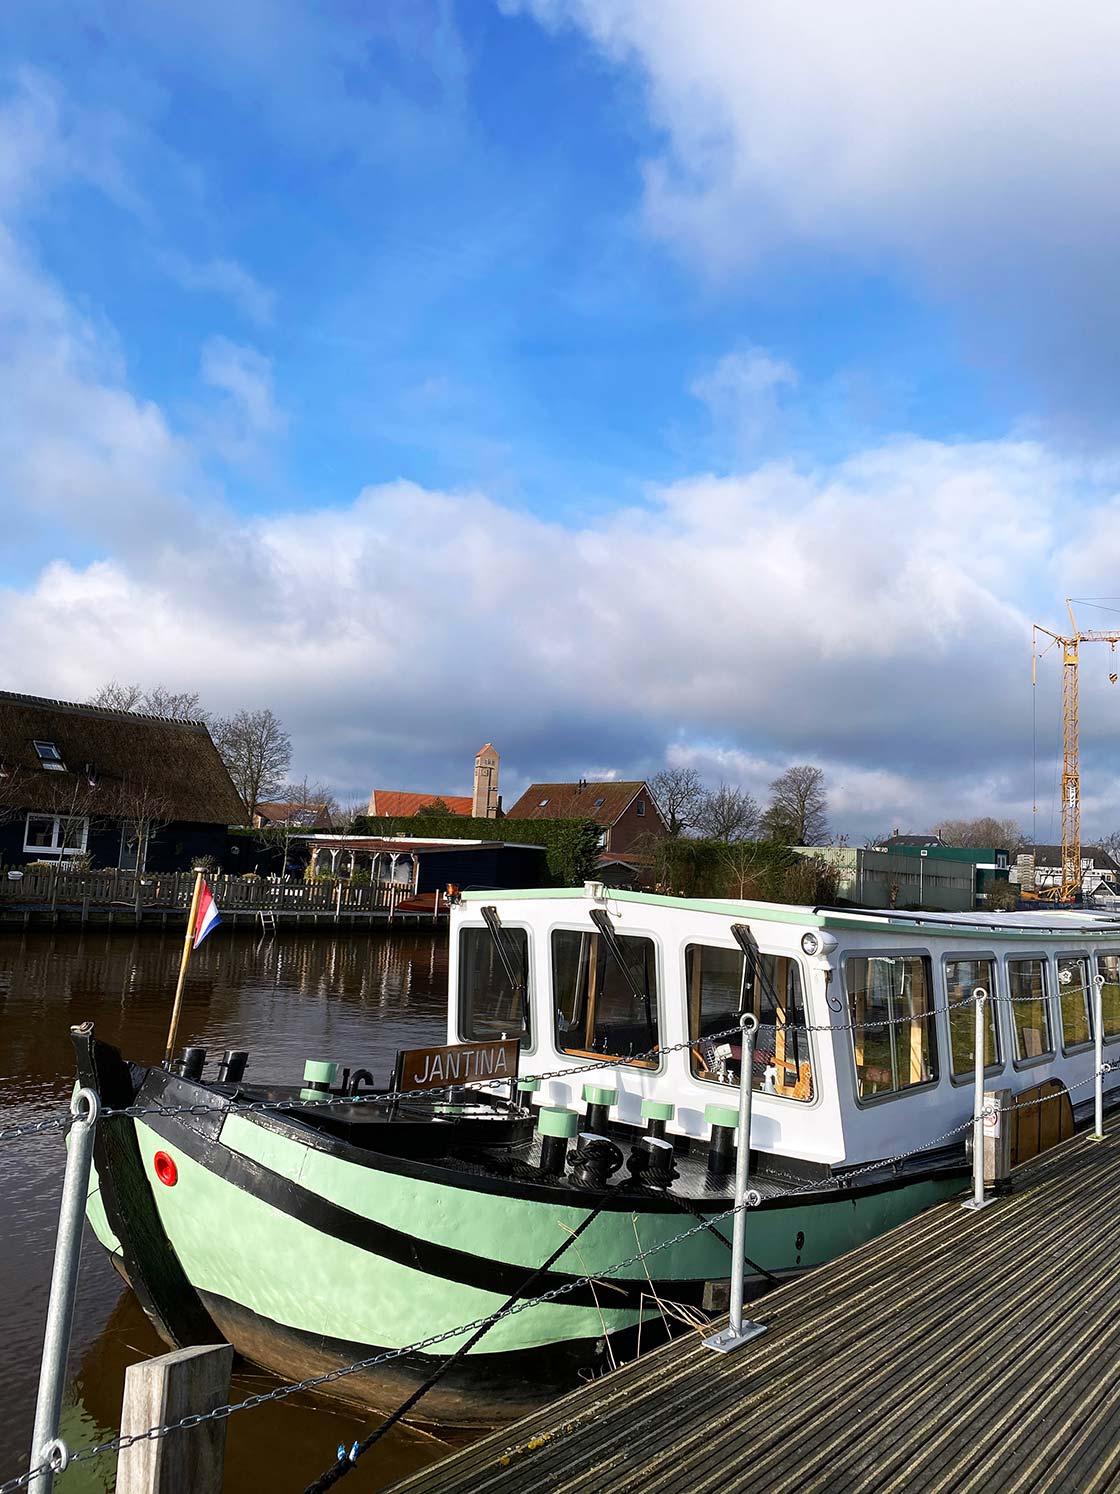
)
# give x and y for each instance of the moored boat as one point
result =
(582, 1116)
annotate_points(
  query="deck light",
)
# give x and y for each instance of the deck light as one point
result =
(818, 943)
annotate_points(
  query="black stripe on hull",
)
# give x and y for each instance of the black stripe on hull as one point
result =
(444, 1262)
(149, 1260)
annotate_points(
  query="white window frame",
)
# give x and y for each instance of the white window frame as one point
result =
(55, 848)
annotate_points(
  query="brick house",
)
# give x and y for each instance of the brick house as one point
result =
(627, 811)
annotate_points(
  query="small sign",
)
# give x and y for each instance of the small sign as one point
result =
(991, 1115)
(457, 1063)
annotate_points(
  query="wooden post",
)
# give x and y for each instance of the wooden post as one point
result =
(164, 1390)
(183, 963)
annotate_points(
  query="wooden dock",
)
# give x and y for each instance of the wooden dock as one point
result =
(158, 900)
(960, 1352)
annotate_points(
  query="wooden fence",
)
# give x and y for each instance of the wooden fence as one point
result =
(50, 886)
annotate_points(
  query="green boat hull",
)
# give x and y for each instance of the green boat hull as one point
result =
(309, 1258)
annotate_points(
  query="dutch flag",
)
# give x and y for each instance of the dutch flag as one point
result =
(207, 916)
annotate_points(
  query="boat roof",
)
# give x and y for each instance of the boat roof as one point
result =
(1090, 923)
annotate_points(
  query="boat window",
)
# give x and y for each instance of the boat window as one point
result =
(714, 982)
(1030, 1010)
(599, 1008)
(961, 979)
(1108, 965)
(895, 991)
(489, 1007)
(1075, 999)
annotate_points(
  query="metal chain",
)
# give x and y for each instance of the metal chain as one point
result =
(390, 1096)
(34, 1128)
(840, 1182)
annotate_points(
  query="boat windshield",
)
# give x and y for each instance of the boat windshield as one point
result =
(601, 1008)
(489, 1006)
(714, 981)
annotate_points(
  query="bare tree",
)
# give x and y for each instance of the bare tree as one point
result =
(875, 842)
(740, 863)
(305, 803)
(812, 880)
(346, 811)
(257, 751)
(1111, 844)
(1003, 835)
(680, 795)
(727, 813)
(181, 705)
(117, 697)
(798, 810)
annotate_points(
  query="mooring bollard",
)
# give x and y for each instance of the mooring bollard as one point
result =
(978, 1200)
(1098, 1047)
(161, 1392)
(46, 1445)
(737, 1331)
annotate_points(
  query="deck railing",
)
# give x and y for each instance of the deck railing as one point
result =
(56, 886)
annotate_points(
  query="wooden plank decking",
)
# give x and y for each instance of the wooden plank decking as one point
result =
(960, 1352)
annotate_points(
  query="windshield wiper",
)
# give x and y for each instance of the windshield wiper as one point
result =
(602, 922)
(515, 972)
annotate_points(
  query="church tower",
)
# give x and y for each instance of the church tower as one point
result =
(485, 804)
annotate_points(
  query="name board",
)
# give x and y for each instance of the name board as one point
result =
(458, 1063)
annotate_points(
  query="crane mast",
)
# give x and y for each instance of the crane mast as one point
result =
(1071, 756)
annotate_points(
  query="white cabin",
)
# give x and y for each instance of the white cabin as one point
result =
(833, 1096)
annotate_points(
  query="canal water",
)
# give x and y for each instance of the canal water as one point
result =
(286, 998)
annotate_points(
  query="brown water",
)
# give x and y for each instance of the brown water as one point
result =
(287, 998)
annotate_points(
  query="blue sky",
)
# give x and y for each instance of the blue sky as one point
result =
(620, 382)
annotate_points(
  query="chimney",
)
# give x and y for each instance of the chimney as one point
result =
(486, 800)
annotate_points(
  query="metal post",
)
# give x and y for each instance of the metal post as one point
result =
(1098, 1040)
(737, 1331)
(978, 1201)
(46, 1446)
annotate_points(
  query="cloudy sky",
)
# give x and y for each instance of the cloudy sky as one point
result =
(623, 381)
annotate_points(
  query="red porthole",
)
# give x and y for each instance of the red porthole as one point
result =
(165, 1168)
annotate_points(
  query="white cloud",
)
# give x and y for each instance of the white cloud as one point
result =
(975, 145)
(743, 391)
(77, 448)
(872, 617)
(248, 415)
(222, 277)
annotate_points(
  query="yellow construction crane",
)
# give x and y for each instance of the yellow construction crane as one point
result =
(1070, 885)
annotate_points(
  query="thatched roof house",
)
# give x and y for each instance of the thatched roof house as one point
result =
(113, 785)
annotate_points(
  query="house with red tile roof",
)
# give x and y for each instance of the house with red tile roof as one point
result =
(484, 804)
(400, 802)
(626, 809)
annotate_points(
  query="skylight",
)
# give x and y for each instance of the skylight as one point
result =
(599, 803)
(49, 757)
(542, 804)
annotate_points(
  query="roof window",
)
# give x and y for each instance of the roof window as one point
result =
(599, 803)
(49, 757)
(542, 804)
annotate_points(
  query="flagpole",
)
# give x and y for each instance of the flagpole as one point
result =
(183, 963)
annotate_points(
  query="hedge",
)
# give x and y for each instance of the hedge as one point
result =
(755, 869)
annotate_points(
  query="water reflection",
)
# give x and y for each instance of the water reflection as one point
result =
(355, 998)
